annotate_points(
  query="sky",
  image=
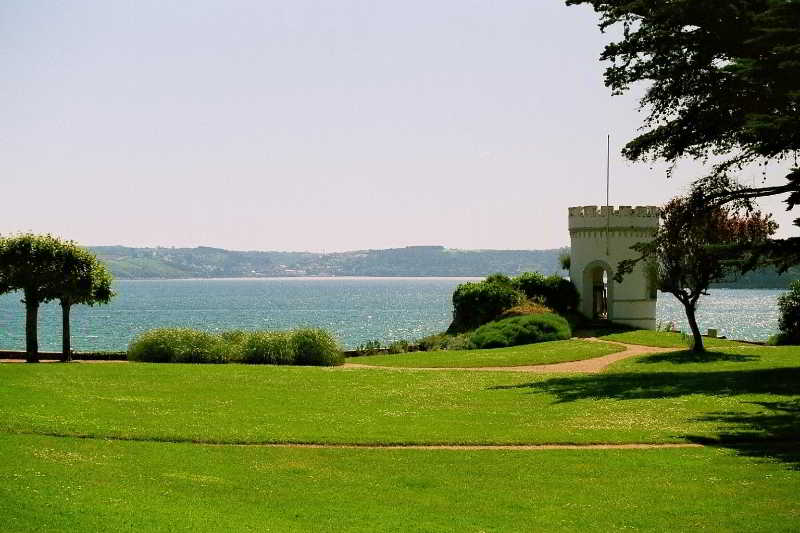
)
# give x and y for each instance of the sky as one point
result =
(313, 125)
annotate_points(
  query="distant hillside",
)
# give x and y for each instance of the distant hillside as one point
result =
(204, 262)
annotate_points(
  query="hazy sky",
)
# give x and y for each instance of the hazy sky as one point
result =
(310, 125)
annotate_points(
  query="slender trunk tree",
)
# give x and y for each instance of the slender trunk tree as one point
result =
(31, 323)
(690, 306)
(66, 349)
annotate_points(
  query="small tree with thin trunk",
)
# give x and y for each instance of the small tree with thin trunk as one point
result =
(28, 263)
(83, 280)
(692, 249)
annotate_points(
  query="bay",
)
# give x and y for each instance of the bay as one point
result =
(356, 310)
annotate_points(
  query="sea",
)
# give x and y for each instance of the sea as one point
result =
(355, 309)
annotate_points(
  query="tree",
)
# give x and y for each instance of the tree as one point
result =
(691, 250)
(83, 280)
(28, 263)
(789, 318)
(723, 82)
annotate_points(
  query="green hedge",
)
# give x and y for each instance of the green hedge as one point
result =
(476, 303)
(181, 345)
(555, 292)
(789, 315)
(521, 330)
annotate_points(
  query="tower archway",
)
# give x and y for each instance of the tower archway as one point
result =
(598, 291)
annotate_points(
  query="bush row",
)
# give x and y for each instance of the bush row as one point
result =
(181, 345)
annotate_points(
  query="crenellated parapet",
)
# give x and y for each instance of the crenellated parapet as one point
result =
(619, 218)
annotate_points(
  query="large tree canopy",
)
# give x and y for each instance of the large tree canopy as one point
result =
(722, 81)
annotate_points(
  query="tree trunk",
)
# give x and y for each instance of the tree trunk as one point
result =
(66, 349)
(31, 337)
(698, 338)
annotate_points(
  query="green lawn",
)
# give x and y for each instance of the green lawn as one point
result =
(531, 354)
(662, 339)
(67, 484)
(743, 400)
(649, 399)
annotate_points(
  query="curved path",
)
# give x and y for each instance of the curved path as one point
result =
(584, 366)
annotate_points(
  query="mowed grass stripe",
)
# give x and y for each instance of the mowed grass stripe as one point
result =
(531, 354)
(96, 485)
(655, 399)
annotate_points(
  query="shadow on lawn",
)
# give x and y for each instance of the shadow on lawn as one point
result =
(679, 358)
(774, 432)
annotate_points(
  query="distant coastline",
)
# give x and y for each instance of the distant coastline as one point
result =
(127, 263)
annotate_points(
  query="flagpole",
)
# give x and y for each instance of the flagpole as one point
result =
(608, 175)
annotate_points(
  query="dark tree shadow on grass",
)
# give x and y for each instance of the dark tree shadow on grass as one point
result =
(680, 358)
(773, 433)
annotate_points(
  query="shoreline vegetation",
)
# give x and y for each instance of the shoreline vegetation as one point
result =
(203, 262)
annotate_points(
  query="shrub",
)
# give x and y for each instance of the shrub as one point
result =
(789, 315)
(268, 347)
(476, 303)
(521, 330)
(529, 307)
(398, 347)
(555, 292)
(432, 343)
(179, 345)
(316, 347)
(369, 348)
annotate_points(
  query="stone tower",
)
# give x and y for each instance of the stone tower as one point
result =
(600, 239)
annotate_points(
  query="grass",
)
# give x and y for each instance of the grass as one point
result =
(531, 354)
(57, 484)
(658, 401)
(663, 339)
(744, 400)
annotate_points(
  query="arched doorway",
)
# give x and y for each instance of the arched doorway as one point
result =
(598, 289)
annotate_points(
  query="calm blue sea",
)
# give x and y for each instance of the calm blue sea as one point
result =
(355, 309)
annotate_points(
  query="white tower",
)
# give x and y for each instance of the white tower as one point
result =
(600, 239)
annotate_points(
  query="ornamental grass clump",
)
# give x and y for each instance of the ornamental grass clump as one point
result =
(316, 347)
(179, 345)
(268, 348)
(521, 330)
(182, 345)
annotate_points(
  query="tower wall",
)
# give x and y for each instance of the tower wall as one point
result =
(601, 238)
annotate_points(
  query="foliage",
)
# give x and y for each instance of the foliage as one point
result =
(691, 250)
(316, 347)
(30, 263)
(396, 347)
(445, 341)
(476, 303)
(521, 330)
(529, 354)
(529, 307)
(267, 347)
(179, 345)
(723, 81)
(183, 345)
(565, 260)
(556, 292)
(789, 315)
(368, 348)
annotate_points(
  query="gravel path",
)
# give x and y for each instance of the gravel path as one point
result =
(585, 366)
